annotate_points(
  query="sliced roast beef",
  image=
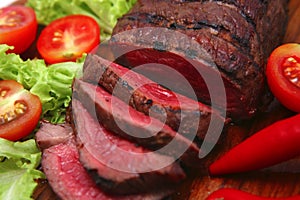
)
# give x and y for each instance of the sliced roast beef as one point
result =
(70, 181)
(235, 35)
(118, 117)
(51, 134)
(183, 114)
(117, 165)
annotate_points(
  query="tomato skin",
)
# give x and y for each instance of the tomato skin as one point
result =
(12, 97)
(287, 93)
(21, 31)
(234, 194)
(67, 38)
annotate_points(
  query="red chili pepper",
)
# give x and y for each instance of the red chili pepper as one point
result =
(274, 144)
(234, 194)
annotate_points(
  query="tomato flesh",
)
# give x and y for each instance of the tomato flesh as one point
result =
(67, 38)
(20, 110)
(18, 27)
(291, 70)
(283, 75)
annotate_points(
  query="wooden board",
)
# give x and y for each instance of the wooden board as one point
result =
(279, 181)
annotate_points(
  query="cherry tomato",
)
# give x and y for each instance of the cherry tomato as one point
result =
(20, 110)
(65, 39)
(18, 27)
(283, 75)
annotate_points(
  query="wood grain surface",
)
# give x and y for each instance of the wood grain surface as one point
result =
(282, 180)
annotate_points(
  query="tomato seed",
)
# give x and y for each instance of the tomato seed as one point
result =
(19, 110)
(11, 115)
(3, 93)
(13, 13)
(21, 106)
(11, 20)
(58, 34)
(292, 71)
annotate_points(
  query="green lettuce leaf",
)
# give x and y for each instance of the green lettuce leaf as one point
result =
(18, 173)
(51, 83)
(105, 12)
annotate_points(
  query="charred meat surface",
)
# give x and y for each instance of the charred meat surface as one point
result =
(198, 15)
(252, 10)
(237, 36)
(185, 115)
(117, 165)
(118, 117)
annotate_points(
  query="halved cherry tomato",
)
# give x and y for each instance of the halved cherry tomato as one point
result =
(18, 27)
(283, 75)
(67, 38)
(20, 110)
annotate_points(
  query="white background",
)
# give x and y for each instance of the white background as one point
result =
(4, 3)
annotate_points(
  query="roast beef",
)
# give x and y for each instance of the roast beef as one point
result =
(199, 15)
(236, 36)
(262, 14)
(253, 10)
(117, 165)
(119, 118)
(51, 134)
(185, 115)
(70, 181)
